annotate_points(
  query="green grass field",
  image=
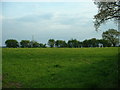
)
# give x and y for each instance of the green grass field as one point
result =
(60, 67)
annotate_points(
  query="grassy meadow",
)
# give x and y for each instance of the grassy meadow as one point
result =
(60, 67)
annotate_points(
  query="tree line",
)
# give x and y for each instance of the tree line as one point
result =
(73, 43)
(109, 38)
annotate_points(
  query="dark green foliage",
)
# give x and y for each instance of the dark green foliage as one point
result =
(32, 44)
(25, 43)
(107, 11)
(60, 43)
(73, 43)
(94, 43)
(42, 45)
(35, 44)
(91, 43)
(112, 36)
(105, 43)
(85, 43)
(11, 43)
(51, 42)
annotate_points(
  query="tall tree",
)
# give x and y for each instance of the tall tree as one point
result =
(112, 36)
(25, 43)
(51, 42)
(105, 43)
(107, 11)
(36, 44)
(11, 43)
(93, 42)
(42, 45)
(73, 43)
(85, 43)
(60, 43)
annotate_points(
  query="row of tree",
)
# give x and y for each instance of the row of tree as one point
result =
(23, 43)
(73, 43)
(110, 38)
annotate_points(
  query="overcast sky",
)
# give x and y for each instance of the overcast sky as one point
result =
(45, 20)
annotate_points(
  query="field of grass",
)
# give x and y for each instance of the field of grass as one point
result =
(60, 67)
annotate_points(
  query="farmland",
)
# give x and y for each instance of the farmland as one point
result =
(60, 67)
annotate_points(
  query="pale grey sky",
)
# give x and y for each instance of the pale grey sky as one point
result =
(45, 20)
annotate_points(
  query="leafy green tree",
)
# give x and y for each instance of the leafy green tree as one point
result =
(85, 43)
(112, 36)
(11, 43)
(105, 43)
(93, 42)
(106, 11)
(51, 42)
(90, 43)
(60, 43)
(35, 44)
(42, 45)
(63, 44)
(25, 43)
(73, 43)
(80, 44)
(57, 43)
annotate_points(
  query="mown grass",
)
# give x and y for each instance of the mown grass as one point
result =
(60, 67)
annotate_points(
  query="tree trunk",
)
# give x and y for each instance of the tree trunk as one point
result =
(114, 44)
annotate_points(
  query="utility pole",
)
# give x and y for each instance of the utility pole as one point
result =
(32, 37)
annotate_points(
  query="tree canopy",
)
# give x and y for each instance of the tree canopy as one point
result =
(112, 36)
(73, 43)
(60, 43)
(11, 43)
(51, 42)
(25, 43)
(106, 11)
